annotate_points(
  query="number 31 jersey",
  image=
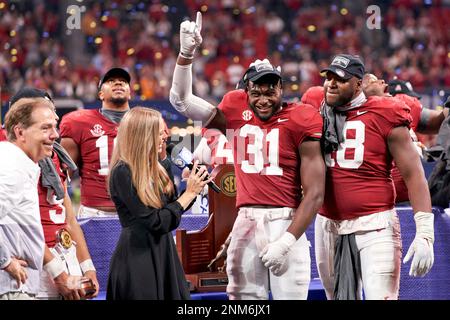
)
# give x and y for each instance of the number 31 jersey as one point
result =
(266, 155)
(94, 134)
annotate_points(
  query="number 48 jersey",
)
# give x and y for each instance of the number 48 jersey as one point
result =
(266, 153)
(94, 134)
(358, 180)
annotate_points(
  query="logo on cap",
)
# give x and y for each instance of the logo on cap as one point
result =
(341, 62)
(264, 65)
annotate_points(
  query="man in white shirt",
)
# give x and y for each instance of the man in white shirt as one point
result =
(31, 131)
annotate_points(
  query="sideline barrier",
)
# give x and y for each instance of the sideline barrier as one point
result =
(102, 234)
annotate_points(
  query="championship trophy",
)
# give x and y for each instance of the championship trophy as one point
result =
(202, 251)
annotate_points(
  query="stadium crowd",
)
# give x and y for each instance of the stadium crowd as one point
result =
(39, 48)
(70, 49)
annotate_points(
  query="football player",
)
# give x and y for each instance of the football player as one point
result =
(424, 120)
(88, 136)
(279, 172)
(357, 232)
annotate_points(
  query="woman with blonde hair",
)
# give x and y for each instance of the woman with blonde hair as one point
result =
(145, 263)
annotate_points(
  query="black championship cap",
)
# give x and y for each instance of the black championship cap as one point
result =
(259, 69)
(397, 86)
(29, 92)
(114, 72)
(346, 66)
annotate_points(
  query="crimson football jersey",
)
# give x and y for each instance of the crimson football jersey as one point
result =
(221, 150)
(3, 135)
(95, 135)
(53, 212)
(415, 106)
(359, 178)
(416, 109)
(401, 190)
(313, 96)
(266, 156)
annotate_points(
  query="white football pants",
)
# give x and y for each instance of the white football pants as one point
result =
(380, 252)
(87, 212)
(248, 278)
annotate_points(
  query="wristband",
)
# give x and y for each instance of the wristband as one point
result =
(186, 56)
(55, 267)
(87, 265)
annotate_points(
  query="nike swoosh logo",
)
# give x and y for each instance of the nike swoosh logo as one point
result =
(360, 113)
(282, 120)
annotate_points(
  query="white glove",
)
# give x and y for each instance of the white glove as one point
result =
(190, 37)
(274, 254)
(422, 246)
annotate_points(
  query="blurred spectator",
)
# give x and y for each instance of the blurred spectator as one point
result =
(413, 42)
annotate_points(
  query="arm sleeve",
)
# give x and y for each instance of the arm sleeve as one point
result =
(184, 101)
(158, 220)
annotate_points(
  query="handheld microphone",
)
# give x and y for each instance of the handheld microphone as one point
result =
(182, 158)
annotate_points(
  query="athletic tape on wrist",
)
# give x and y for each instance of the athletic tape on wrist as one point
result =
(55, 267)
(425, 225)
(87, 265)
(186, 56)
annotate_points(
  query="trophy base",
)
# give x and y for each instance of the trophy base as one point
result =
(208, 281)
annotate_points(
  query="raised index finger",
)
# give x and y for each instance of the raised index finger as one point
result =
(198, 21)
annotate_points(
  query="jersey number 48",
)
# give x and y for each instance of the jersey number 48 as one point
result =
(355, 143)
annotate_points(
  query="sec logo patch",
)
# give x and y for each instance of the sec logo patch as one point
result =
(228, 184)
(247, 115)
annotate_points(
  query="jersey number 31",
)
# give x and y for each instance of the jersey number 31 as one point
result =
(256, 149)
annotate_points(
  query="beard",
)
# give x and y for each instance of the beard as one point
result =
(265, 117)
(118, 101)
(341, 100)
